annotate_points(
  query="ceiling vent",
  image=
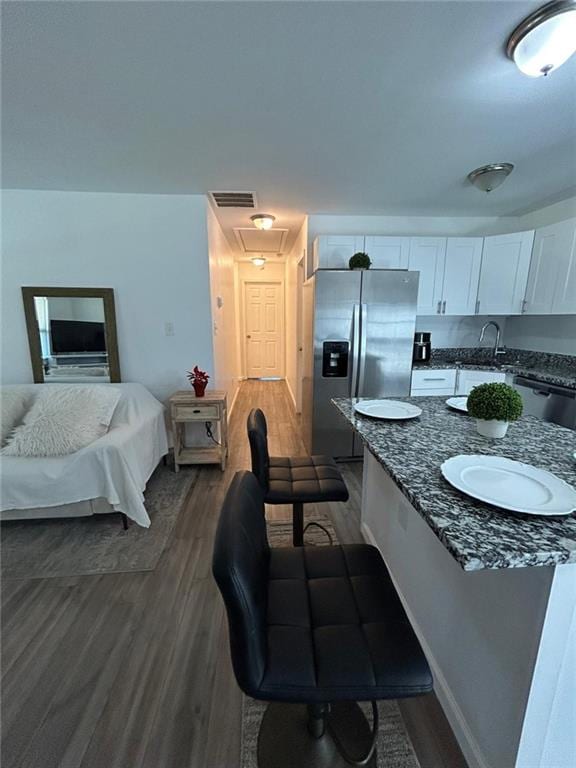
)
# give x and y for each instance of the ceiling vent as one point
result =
(234, 199)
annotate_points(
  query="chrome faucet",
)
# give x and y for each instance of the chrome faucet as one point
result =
(497, 351)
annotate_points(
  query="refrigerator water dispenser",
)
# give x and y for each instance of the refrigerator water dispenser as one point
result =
(335, 359)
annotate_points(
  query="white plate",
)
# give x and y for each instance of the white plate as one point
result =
(387, 409)
(510, 485)
(458, 403)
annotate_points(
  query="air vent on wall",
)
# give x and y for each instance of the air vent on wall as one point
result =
(234, 199)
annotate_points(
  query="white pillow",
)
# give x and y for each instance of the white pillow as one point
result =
(14, 402)
(64, 419)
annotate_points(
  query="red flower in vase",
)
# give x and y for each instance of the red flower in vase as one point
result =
(199, 380)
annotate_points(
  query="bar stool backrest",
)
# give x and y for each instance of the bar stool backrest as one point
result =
(258, 437)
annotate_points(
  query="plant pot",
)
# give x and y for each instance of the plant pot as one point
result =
(199, 389)
(491, 427)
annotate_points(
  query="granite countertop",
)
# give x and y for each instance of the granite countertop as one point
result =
(477, 535)
(544, 367)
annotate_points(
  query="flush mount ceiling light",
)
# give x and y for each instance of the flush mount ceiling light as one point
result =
(263, 220)
(545, 39)
(258, 261)
(488, 177)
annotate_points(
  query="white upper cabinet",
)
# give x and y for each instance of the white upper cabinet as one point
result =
(427, 256)
(387, 252)
(504, 273)
(334, 251)
(552, 278)
(461, 275)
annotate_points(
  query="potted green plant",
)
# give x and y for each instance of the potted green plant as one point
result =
(494, 406)
(199, 380)
(360, 260)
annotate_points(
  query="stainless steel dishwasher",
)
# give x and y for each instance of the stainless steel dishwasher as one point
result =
(548, 401)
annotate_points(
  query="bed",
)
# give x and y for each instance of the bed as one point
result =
(109, 475)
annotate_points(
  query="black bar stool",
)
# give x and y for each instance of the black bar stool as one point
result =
(312, 630)
(299, 480)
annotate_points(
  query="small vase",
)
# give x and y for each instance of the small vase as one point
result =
(199, 389)
(491, 427)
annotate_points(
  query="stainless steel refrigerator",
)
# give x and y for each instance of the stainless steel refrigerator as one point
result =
(360, 345)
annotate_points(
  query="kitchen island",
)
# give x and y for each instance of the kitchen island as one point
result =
(491, 594)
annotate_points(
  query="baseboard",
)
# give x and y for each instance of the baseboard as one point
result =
(233, 403)
(464, 736)
(291, 393)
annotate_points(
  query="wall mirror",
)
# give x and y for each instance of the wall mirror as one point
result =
(72, 334)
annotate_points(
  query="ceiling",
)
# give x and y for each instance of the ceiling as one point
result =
(319, 107)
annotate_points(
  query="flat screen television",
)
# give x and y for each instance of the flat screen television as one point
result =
(76, 337)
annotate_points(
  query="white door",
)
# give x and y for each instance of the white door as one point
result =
(264, 324)
(504, 273)
(427, 256)
(565, 294)
(461, 275)
(550, 257)
(387, 252)
(334, 251)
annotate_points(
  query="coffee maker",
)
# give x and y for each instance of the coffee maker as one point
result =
(422, 347)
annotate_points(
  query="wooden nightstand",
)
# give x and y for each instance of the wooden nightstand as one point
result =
(186, 408)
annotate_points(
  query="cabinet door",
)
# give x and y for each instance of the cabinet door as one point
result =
(388, 252)
(334, 251)
(467, 380)
(427, 256)
(551, 270)
(564, 302)
(461, 274)
(504, 273)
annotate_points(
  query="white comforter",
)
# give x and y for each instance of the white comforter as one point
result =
(115, 467)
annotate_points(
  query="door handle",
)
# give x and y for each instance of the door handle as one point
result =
(444, 307)
(355, 349)
(478, 306)
(439, 308)
(362, 361)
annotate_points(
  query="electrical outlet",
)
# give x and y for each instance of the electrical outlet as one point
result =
(169, 328)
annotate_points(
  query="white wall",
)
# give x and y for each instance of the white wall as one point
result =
(543, 333)
(292, 309)
(224, 317)
(151, 249)
(461, 331)
(552, 214)
(247, 272)
(462, 226)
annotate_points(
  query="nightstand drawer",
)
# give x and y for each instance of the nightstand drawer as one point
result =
(195, 412)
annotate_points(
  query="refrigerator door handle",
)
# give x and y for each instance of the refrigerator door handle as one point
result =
(362, 350)
(355, 350)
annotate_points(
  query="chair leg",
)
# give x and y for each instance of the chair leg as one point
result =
(298, 524)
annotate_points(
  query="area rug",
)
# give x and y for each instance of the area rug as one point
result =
(280, 531)
(98, 544)
(395, 749)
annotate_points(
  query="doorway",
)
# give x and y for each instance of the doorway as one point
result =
(264, 329)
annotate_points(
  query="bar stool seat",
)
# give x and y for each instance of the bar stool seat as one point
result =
(294, 480)
(312, 630)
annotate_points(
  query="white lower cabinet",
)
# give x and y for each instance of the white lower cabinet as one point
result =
(426, 383)
(449, 381)
(467, 380)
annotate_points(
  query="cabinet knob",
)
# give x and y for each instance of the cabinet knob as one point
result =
(248, 336)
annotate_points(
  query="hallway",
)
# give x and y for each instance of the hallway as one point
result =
(132, 670)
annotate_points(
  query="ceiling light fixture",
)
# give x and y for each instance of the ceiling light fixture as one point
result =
(258, 261)
(263, 220)
(545, 39)
(488, 177)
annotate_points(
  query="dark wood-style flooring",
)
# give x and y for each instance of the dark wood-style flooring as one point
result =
(131, 670)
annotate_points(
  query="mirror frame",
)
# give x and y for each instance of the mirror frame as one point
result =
(106, 294)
